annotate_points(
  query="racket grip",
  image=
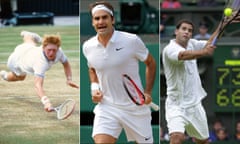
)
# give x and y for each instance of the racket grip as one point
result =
(214, 41)
(154, 106)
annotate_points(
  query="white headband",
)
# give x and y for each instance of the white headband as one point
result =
(101, 7)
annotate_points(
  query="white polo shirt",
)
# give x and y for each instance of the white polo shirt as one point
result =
(30, 59)
(184, 87)
(121, 56)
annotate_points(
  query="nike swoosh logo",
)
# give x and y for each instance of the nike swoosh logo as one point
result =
(147, 138)
(117, 49)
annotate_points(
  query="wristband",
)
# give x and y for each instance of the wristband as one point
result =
(45, 100)
(95, 86)
(69, 78)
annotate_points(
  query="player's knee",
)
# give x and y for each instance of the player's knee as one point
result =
(104, 138)
(13, 77)
(177, 138)
(21, 78)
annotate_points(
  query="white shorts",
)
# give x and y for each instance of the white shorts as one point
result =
(193, 120)
(14, 58)
(110, 120)
(12, 64)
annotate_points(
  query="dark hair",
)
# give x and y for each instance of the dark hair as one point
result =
(217, 120)
(179, 23)
(222, 129)
(105, 3)
(203, 24)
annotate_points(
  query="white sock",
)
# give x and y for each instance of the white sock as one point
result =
(4, 75)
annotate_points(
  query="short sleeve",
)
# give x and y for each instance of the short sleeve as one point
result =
(62, 57)
(172, 51)
(140, 49)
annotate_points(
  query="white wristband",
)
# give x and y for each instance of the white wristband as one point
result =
(95, 86)
(69, 78)
(45, 100)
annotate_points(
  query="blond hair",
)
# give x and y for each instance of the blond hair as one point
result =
(53, 39)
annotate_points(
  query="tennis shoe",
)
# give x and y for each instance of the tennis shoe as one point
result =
(3, 74)
(35, 36)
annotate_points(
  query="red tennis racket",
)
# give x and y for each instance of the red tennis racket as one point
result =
(135, 94)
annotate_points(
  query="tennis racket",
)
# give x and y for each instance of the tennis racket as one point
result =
(135, 94)
(65, 109)
(227, 20)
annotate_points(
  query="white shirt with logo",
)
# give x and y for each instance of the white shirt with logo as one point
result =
(184, 87)
(121, 56)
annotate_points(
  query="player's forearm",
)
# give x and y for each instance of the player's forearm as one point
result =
(194, 54)
(38, 85)
(190, 54)
(150, 76)
(68, 71)
(92, 75)
(39, 91)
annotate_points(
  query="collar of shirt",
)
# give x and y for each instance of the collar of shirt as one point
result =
(112, 39)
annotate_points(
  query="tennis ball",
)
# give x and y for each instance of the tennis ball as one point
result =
(227, 11)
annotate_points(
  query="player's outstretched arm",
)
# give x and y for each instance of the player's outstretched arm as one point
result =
(38, 83)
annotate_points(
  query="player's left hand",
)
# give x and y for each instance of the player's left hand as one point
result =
(209, 49)
(148, 98)
(72, 84)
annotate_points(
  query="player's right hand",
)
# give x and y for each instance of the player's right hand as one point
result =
(97, 96)
(48, 107)
(148, 98)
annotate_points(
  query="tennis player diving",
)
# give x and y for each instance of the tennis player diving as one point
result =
(29, 58)
(110, 54)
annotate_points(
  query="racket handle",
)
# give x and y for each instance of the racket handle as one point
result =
(154, 106)
(214, 41)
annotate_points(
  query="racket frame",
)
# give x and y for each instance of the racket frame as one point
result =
(142, 101)
(227, 19)
(152, 105)
(59, 108)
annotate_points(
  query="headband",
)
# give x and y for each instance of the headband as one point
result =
(101, 7)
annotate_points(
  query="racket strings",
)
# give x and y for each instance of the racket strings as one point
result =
(134, 93)
(226, 20)
(66, 109)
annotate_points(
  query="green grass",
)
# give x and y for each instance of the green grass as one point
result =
(10, 37)
(22, 118)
